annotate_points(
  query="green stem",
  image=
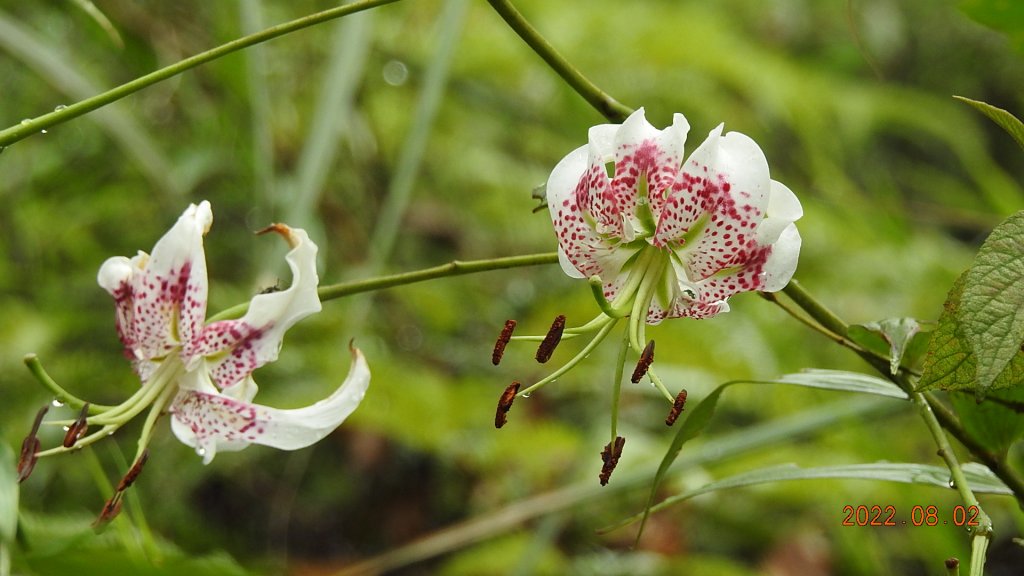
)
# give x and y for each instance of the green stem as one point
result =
(61, 395)
(982, 533)
(816, 309)
(609, 107)
(984, 528)
(617, 386)
(996, 463)
(453, 268)
(40, 123)
(598, 338)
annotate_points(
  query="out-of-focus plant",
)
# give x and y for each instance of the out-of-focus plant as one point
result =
(658, 234)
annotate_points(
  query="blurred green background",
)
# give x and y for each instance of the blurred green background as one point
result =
(413, 135)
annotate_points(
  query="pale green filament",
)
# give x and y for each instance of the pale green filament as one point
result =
(608, 324)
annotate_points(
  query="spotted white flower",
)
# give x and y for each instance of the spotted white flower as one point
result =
(679, 236)
(201, 373)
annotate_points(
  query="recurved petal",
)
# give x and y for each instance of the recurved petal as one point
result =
(783, 209)
(578, 242)
(153, 292)
(647, 161)
(738, 195)
(781, 262)
(232, 349)
(210, 422)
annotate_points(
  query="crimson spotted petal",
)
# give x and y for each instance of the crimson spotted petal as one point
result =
(725, 226)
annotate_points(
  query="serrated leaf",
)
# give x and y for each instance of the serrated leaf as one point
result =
(844, 382)
(997, 422)
(897, 334)
(950, 365)
(1004, 119)
(991, 313)
(979, 478)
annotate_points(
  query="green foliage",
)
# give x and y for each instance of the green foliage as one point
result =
(980, 478)
(893, 337)
(897, 182)
(996, 421)
(977, 345)
(1004, 119)
(1005, 16)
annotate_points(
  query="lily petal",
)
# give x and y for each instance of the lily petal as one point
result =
(781, 263)
(210, 422)
(577, 240)
(232, 349)
(738, 198)
(647, 161)
(161, 299)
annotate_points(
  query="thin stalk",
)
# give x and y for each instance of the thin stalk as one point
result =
(453, 268)
(598, 338)
(982, 533)
(513, 515)
(996, 463)
(617, 385)
(60, 394)
(40, 123)
(609, 107)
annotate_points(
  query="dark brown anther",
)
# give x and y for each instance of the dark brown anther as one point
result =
(610, 455)
(952, 564)
(646, 359)
(78, 428)
(505, 404)
(110, 511)
(677, 408)
(554, 336)
(30, 447)
(503, 338)
(134, 472)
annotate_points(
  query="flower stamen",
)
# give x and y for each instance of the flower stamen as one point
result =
(503, 340)
(505, 404)
(646, 359)
(30, 447)
(550, 342)
(78, 428)
(610, 455)
(677, 408)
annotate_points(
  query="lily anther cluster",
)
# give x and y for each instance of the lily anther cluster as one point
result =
(660, 235)
(199, 372)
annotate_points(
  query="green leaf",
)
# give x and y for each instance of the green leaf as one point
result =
(698, 419)
(950, 364)
(897, 334)
(844, 382)
(688, 430)
(1006, 16)
(1004, 119)
(979, 478)
(997, 421)
(991, 311)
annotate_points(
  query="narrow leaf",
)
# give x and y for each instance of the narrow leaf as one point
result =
(690, 429)
(844, 382)
(1004, 119)
(980, 479)
(991, 311)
